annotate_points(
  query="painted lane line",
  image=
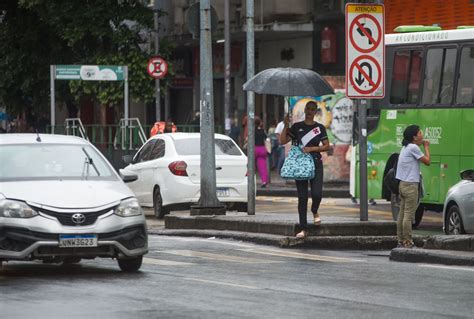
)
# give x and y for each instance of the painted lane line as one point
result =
(221, 283)
(289, 254)
(445, 267)
(219, 257)
(162, 262)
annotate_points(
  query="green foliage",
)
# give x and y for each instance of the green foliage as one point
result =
(35, 34)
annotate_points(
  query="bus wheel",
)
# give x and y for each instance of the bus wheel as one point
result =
(395, 206)
(418, 216)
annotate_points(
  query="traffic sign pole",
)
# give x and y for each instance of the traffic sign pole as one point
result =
(365, 67)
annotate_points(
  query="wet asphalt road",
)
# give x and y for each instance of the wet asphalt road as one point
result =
(209, 278)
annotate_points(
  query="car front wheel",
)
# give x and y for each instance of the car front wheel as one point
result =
(158, 208)
(454, 222)
(130, 264)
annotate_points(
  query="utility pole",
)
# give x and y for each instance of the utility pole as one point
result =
(208, 203)
(227, 121)
(157, 52)
(250, 110)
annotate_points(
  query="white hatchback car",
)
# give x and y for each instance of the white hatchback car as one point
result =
(61, 201)
(169, 174)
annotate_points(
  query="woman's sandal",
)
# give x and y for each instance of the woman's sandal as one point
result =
(302, 234)
(317, 220)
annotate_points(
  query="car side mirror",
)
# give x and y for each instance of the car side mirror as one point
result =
(128, 177)
(127, 158)
(467, 174)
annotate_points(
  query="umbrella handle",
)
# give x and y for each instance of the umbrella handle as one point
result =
(287, 108)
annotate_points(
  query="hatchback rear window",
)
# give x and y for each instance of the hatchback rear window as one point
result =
(192, 146)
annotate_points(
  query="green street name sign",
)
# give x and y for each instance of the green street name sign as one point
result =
(90, 72)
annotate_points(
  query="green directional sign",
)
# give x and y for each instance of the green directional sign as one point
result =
(90, 72)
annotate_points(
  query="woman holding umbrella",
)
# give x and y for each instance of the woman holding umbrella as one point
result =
(312, 135)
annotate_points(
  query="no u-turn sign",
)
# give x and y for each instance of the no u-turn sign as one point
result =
(365, 51)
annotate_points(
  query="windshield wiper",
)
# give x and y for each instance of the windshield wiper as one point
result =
(87, 163)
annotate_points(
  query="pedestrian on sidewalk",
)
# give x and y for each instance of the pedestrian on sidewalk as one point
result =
(408, 173)
(280, 150)
(311, 135)
(261, 151)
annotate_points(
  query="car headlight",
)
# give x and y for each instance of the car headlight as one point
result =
(129, 207)
(15, 209)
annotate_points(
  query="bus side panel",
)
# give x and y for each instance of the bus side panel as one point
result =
(467, 141)
(442, 128)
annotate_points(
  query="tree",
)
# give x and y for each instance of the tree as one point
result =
(35, 34)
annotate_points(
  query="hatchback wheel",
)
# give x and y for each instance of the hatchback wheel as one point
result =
(158, 208)
(454, 222)
(130, 264)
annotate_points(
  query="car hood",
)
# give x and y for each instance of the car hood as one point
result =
(66, 194)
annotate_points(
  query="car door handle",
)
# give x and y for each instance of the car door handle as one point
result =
(218, 168)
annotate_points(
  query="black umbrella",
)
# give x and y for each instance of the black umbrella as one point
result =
(288, 82)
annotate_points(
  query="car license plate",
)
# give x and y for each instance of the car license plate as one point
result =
(222, 192)
(77, 241)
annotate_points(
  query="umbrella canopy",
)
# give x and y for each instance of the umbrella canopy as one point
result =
(288, 82)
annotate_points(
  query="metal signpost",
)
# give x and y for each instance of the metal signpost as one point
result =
(365, 73)
(88, 73)
(208, 202)
(250, 110)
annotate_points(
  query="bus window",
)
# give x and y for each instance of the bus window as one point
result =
(406, 77)
(439, 76)
(465, 93)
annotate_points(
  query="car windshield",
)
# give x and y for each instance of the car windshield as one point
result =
(192, 146)
(52, 161)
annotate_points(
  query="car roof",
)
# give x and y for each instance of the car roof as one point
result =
(182, 135)
(29, 138)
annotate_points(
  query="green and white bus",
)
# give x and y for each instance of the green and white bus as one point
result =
(429, 82)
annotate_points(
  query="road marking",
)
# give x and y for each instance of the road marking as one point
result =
(221, 283)
(161, 262)
(291, 254)
(446, 267)
(219, 257)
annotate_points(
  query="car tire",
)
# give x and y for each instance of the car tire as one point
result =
(130, 264)
(158, 208)
(454, 224)
(395, 207)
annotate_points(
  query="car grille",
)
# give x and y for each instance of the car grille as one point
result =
(131, 237)
(66, 218)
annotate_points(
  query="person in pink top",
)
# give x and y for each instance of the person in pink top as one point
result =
(261, 151)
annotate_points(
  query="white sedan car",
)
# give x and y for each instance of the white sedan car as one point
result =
(62, 201)
(169, 174)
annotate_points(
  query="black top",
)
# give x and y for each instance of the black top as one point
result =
(260, 137)
(318, 134)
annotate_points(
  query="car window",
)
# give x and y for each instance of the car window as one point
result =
(158, 149)
(144, 154)
(192, 146)
(52, 161)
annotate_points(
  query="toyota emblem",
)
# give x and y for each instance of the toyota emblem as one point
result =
(78, 218)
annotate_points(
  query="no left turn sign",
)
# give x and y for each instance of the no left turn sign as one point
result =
(365, 51)
(157, 68)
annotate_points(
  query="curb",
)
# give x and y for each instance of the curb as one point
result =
(453, 242)
(318, 242)
(432, 256)
(244, 224)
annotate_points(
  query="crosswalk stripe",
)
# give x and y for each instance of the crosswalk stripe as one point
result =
(162, 262)
(212, 256)
(290, 254)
